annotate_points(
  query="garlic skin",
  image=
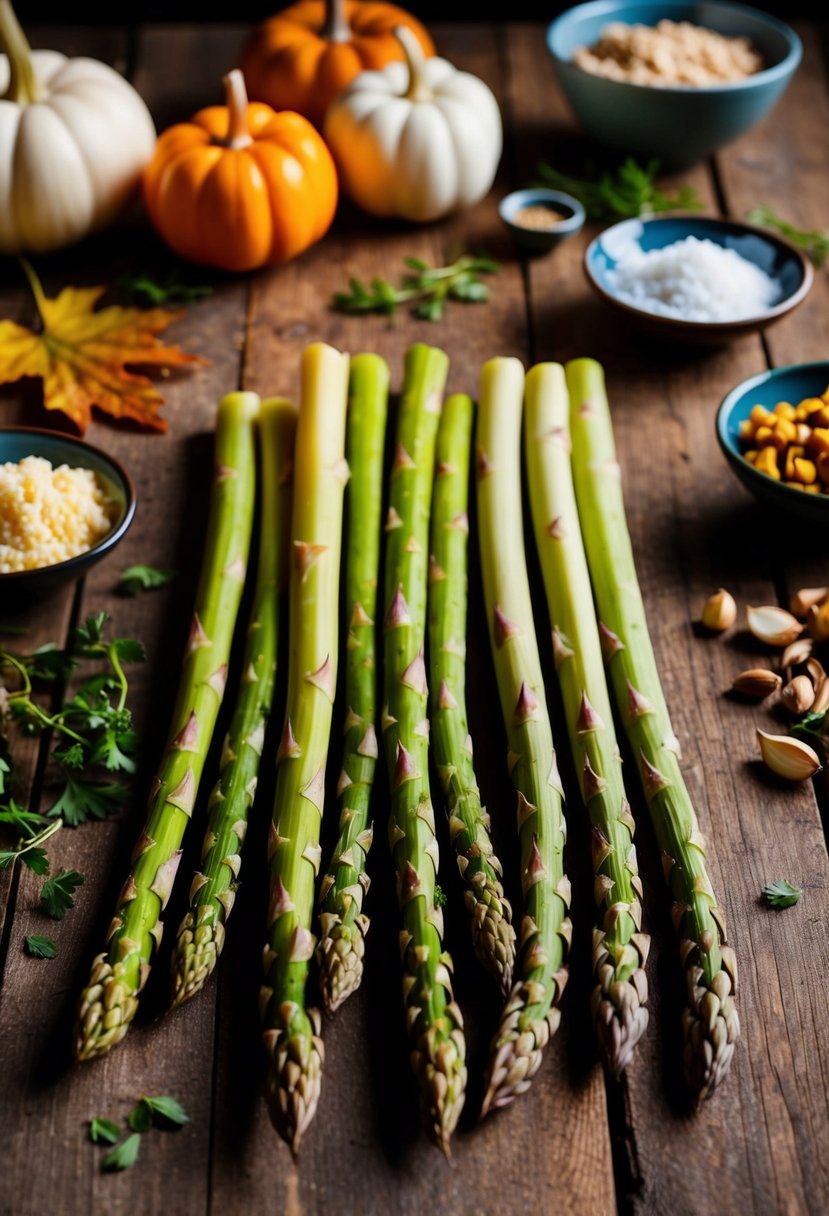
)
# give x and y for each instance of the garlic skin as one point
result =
(807, 598)
(757, 682)
(799, 695)
(819, 622)
(787, 757)
(719, 612)
(797, 652)
(772, 625)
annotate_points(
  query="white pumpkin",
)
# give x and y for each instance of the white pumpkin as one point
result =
(418, 139)
(74, 140)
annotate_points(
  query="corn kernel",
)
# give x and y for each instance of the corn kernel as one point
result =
(788, 463)
(794, 485)
(814, 488)
(804, 433)
(825, 394)
(784, 409)
(764, 436)
(751, 455)
(823, 467)
(818, 441)
(785, 430)
(761, 416)
(746, 429)
(811, 404)
(820, 418)
(766, 462)
(804, 470)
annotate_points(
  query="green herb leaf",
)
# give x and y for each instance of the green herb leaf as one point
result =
(165, 1111)
(56, 892)
(141, 1116)
(426, 289)
(136, 579)
(626, 191)
(172, 291)
(124, 1155)
(40, 947)
(80, 801)
(813, 241)
(781, 894)
(103, 1131)
(35, 860)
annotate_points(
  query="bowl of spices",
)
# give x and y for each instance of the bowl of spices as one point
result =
(697, 279)
(64, 505)
(539, 219)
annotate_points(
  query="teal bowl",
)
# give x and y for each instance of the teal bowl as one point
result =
(25, 587)
(783, 384)
(678, 125)
(542, 241)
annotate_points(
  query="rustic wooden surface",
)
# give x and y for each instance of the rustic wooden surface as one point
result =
(575, 1143)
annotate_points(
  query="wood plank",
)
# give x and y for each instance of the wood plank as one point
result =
(363, 1153)
(760, 1145)
(42, 1099)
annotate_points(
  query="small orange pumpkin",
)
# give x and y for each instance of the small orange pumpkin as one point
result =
(304, 57)
(240, 186)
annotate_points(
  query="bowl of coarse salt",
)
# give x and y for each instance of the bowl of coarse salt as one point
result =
(697, 279)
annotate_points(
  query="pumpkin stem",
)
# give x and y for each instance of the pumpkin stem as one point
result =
(335, 28)
(236, 98)
(418, 89)
(23, 86)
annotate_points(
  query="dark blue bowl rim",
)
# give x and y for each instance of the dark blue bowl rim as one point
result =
(107, 542)
(724, 327)
(766, 486)
(787, 65)
(568, 226)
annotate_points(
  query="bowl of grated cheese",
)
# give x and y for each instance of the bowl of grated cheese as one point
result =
(64, 505)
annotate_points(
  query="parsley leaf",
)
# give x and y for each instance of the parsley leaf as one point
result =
(57, 892)
(136, 579)
(427, 288)
(626, 191)
(123, 1155)
(161, 1111)
(103, 1131)
(40, 947)
(171, 291)
(781, 894)
(80, 801)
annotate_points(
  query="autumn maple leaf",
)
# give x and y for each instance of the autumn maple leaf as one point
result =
(81, 355)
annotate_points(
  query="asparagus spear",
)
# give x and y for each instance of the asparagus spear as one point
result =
(109, 1001)
(493, 936)
(530, 1016)
(342, 921)
(213, 891)
(320, 473)
(711, 1025)
(435, 1024)
(619, 947)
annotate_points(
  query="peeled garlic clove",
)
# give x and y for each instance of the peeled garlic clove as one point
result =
(819, 622)
(772, 625)
(789, 758)
(719, 612)
(756, 682)
(821, 701)
(799, 694)
(815, 672)
(797, 652)
(804, 600)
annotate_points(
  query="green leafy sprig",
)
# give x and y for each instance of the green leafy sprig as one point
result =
(136, 579)
(813, 241)
(149, 1111)
(622, 193)
(172, 290)
(426, 287)
(781, 894)
(38, 946)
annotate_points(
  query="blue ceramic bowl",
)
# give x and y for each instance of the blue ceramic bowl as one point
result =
(679, 125)
(531, 239)
(28, 586)
(788, 266)
(783, 384)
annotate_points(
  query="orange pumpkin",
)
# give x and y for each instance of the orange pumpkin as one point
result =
(304, 57)
(241, 186)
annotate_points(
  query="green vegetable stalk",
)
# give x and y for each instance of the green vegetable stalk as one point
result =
(619, 947)
(438, 1051)
(711, 1025)
(530, 1016)
(291, 1032)
(490, 914)
(343, 924)
(213, 891)
(109, 1001)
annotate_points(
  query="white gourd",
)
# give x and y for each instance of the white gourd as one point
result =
(418, 139)
(74, 140)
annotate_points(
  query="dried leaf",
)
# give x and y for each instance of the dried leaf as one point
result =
(81, 355)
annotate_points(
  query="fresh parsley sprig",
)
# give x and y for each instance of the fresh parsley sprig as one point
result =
(781, 894)
(427, 287)
(625, 192)
(171, 290)
(813, 241)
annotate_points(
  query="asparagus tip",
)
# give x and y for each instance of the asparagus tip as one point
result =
(196, 952)
(517, 1049)
(106, 1008)
(340, 956)
(294, 1080)
(618, 1005)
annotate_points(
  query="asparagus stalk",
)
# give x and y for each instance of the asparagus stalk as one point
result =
(619, 947)
(342, 921)
(530, 1016)
(109, 1001)
(493, 936)
(711, 1024)
(434, 1021)
(320, 472)
(213, 890)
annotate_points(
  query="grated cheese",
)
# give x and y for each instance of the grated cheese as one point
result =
(48, 515)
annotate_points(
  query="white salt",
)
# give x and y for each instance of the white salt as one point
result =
(693, 280)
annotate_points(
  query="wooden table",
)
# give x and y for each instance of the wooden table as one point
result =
(575, 1144)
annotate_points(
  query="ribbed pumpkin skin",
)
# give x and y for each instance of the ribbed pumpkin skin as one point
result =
(288, 64)
(239, 208)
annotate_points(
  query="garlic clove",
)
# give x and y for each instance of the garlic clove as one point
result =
(815, 671)
(757, 682)
(789, 758)
(804, 600)
(719, 612)
(819, 622)
(772, 625)
(799, 694)
(797, 652)
(821, 701)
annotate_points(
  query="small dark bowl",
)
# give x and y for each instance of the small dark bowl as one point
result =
(792, 384)
(531, 239)
(788, 266)
(27, 586)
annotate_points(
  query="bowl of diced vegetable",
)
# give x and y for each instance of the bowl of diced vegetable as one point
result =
(668, 78)
(774, 432)
(64, 505)
(697, 279)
